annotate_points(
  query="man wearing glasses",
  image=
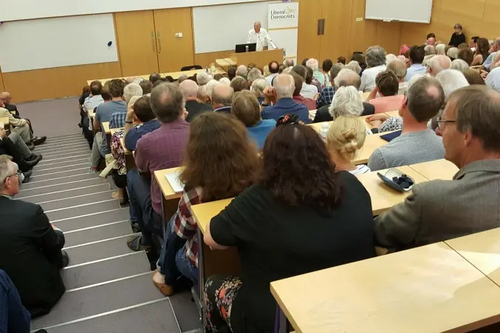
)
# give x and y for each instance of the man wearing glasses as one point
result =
(443, 209)
(30, 247)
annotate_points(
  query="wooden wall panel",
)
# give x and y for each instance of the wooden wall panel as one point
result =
(309, 43)
(56, 82)
(2, 87)
(205, 59)
(337, 15)
(363, 33)
(490, 27)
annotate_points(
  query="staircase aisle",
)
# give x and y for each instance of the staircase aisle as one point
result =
(108, 286)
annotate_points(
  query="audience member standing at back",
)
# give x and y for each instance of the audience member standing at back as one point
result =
(161, 149)
(417, 55)
(375, 59)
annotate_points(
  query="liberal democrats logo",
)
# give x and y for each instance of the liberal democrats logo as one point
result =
(284, 14)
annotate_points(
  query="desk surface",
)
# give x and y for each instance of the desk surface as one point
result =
(105, 127)
(392, 113)
(481, 250)
(372, 142)
(114, 130)
(435, 290)
(203, 213)
(440, 169)
(166, 189)
(91, 113)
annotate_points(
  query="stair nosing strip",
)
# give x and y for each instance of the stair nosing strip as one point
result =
(99, 241)
(49, 193)
(104, 259)
(65, 158)
(45, 186)
(48, 180)
(95, 227)
(86, 215)
(76, 196)
(81, 205)
(55, 168)
(108, 282)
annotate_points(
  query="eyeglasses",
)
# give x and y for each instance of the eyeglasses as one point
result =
(442, 122)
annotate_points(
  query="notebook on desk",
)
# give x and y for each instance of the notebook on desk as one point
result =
(175, 182)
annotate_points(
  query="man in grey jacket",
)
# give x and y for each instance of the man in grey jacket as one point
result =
(444, 209)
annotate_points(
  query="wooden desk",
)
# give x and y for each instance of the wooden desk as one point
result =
(440, 169)
(482, 250)
(372, 142)
(203, 213)
(105, 127)
(112, 131)
(166, 189)
(382, 196)
(260, 58)
(364, 96)
(427, 289)
(91, 114)
(392, 113)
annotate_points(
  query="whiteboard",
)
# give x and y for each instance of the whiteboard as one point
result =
(399, 10)
(220, 28)
(12, 10)
(57, 42)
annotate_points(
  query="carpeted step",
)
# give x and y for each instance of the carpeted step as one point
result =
(91, 220)
(99, 187)
(96, 233)
(83, 209)
(75, 201)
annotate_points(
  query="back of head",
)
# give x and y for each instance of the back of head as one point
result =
(96, 88)
(132, 89)
(375, 56)
(289, 62)
(438, 63)
(459, 65)
(327, 65)
(335, 70)
(239, 84)
(222, 95)
(106, 96)
(154, 77)
(347, 77)
(167, 102)
(284, 84)
(142, 109)
(451, 80)
(242, 71)
(203, 78)
(312, 64)
(298, 81)
(425, 98)
(184, 77)
(301, 70)
(298, 170)
(347, 136)
(341, 60)
(218, 141)
(466, 55)
(225, 81)
(441, 49)
(309, 75)
(452, 53)
(246, 108)
(390, 58)
(189, 90)
(483, 46)
(346, 101)
(282, 68)
(417, 54)
(359, 57)
(231, 72)
(387, 83)
(274, 67)
(431, 35)
(399, 69)
(9, 184)
(478, 111)
(146, 86)
(354, 66)
(430, 50)
(304, 62)
(116, 88)
(258, 87)
(473, 77)
(254, 74)
(210, 87)
(404, 49)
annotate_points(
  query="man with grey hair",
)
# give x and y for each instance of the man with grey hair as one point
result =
(417, 143)
(399, 69)
(281, 97)
(158, 150)
(437, 64)
(495, 47)
(346, 102)
(375, 59)
(222, 97)
(289, 62)
(254, 74)
(260, 36)
(451, 80)
(31, 247)
(444, 209)
(189, 90)
(130, 91)
(203, 78)
(242, 71)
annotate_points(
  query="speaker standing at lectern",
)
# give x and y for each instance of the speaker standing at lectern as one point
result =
(261, 37)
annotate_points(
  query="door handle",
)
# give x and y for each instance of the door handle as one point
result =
(153, 40)
(322, 27)
(159, 41)
(319, 28)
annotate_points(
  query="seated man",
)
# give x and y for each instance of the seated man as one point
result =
(399, 69)
(95, 99)
(161, 149)
(20, 126)
(281, 97)
(222, 97)
(131, 90)
(103, 114)
(437, 64)
(189, 90)
(297, 97)
(14, 146)
(326, 95)
(443, 209)
(417, 143)
(387, 87)
(30, 247)
(417, 55)
(7, 99)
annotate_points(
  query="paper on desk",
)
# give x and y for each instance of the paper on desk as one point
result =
(175, 182)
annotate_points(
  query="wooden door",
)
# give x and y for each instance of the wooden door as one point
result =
(136, 42)
(309, 42)
(174, 52)
(335, 41)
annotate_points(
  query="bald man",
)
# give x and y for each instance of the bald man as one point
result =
(189, 90)
(222, 97)
(437, 64)
(260, 36)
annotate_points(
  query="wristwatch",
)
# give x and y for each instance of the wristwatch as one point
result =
(129, 122)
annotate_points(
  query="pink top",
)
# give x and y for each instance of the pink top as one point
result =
(385, 104)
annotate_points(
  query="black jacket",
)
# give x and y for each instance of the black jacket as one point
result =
(195, 108)
(456, 40)
(324, 115)
(30, 253)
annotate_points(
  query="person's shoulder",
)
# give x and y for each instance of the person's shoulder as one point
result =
(268, 123)
(24, 207)
(351, 184)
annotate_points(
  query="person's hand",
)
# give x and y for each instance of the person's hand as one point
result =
(484, 74)
(185, 114)
(3, 133)
(130, 114)
(269, 95)
(377, 119)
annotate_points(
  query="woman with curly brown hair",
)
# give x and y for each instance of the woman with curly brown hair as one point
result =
(300, 217)
(482, 52)
(220, 163)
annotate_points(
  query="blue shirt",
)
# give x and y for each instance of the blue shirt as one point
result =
(259, 132)
(415, 69)
(325, 97)
(138, 131)
(489, 60)
(286, 106)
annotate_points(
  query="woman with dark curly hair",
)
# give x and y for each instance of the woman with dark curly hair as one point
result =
(220, 162)
(301, 216)
(482, 52)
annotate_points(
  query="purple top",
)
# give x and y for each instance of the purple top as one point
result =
(162, 149)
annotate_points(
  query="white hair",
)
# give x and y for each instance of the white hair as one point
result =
(242, 70)
(429, 50)
(451, 80)
(284, 85)
(225, 81)
(7, 169)
(133, 100)
(346, 101)
(189, 89)
(258, 86)
(312, 64)
(354, 66)
(210, 87)
(459, 65)
(347, 77)
(440, 49)
(438, 63)
(203, 78)
(425, 62)
(452, 52)
(254, 74)
(390, 58)
(130, 90)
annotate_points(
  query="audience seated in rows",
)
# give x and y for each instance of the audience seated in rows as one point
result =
(459, 65)
(217, 142)
(308, 90)
(344, 139)
(473, 77)
(399, 69)
(273, 69)
(131, 90)
(493, 79)
(189, 90)
(280, 96)
(14, 146)
(375, 59)
(495, 47)
(242, 71)
(222, 97)
(326, 95)
(298, 184)
(321, 77)
(451, 80)
(444, 209)
(30, 246)
(387, 87)
(258, 87)
(416, 143)
(482, 52)
(417, 55)
(466, 55)
(297, 97)
(239, 83)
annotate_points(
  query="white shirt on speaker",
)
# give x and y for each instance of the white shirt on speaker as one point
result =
(261, 38)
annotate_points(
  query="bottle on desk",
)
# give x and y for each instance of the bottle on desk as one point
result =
(324, 130)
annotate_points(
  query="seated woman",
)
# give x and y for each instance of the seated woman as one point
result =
(258, 87)
(246, 108)
(344, 139)
(301, 217)
(220, 163)
(387, 87)
(482, 52)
